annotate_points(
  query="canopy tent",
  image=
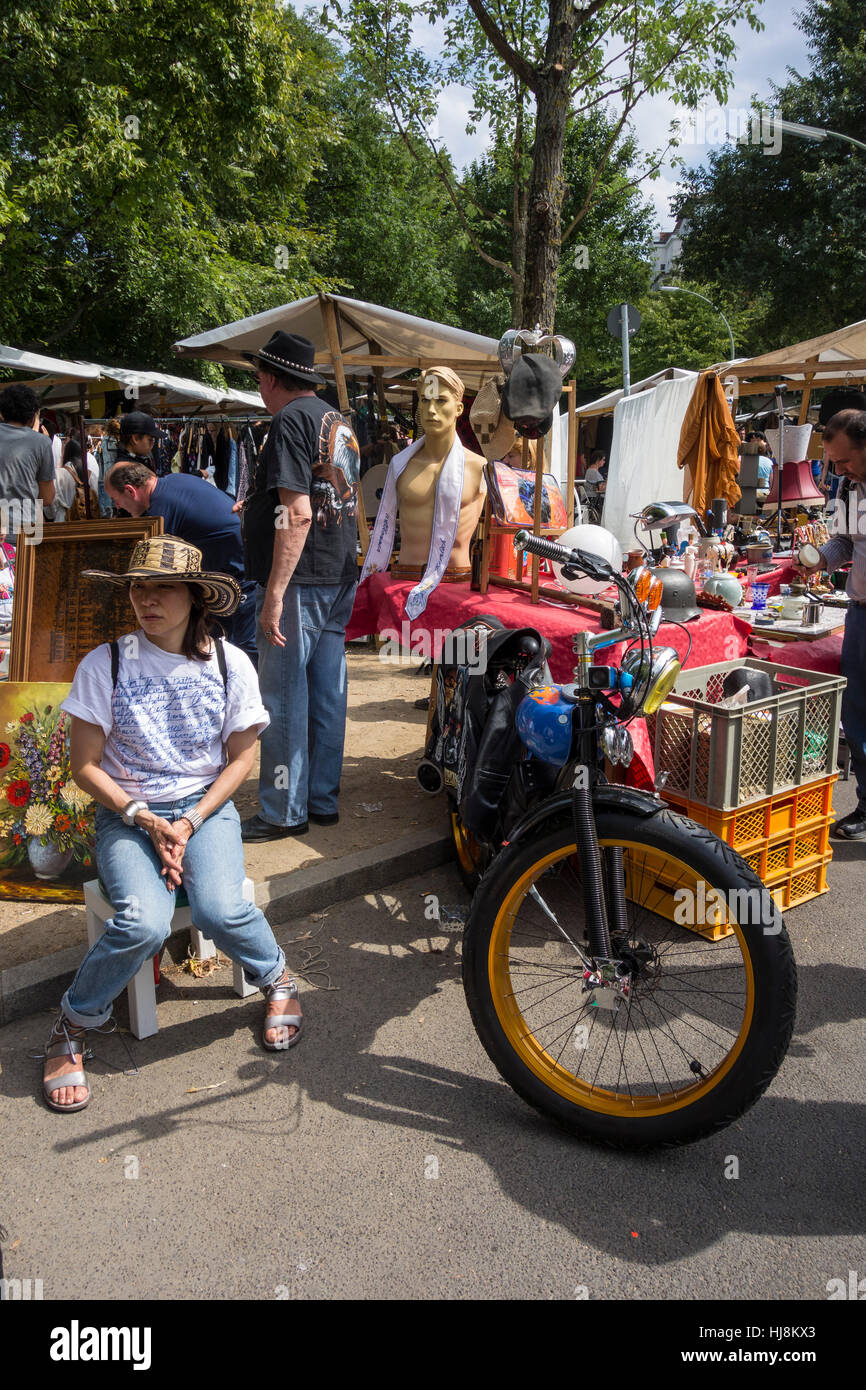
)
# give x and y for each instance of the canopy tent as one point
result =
(20, 361)
(606, 405)
(159, 391)
(353, 338)
(833, 359)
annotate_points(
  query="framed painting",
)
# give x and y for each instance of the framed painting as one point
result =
(46, 820)
(57, 617)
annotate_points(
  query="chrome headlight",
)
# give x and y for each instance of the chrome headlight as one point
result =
(648, 682)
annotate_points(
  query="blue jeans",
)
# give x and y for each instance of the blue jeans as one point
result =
(304, 690)
(240, 627)
(129, 868)
(853, 667)
(106, 506)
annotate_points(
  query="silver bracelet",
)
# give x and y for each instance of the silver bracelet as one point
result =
(195, 819)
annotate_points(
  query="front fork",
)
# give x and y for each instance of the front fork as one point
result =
(605, 913)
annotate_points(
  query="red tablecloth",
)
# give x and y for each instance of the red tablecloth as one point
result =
(822, 655)
(379, 608)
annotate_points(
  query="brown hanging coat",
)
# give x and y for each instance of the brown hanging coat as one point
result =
(708, 446)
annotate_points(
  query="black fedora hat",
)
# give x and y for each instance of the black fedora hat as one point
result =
(290, 354)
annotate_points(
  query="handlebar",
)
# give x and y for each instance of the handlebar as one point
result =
(593, 565)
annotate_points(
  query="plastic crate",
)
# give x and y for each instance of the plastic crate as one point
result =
(785, 839)
(748, 828)
(805, 881)
(725, 759)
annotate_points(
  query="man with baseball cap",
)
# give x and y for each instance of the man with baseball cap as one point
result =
(300, 538)
(138, 433)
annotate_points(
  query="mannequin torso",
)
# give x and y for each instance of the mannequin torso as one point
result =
(416, 493)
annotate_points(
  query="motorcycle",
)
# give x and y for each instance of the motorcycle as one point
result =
(626, 971)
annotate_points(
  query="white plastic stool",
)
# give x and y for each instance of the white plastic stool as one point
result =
(141, 990)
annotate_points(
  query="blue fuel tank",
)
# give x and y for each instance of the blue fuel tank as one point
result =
(544, 723)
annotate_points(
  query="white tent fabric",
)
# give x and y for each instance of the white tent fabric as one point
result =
(394, 333)
(148, 390)
(642, 466)
(605, 404)
(34, 363)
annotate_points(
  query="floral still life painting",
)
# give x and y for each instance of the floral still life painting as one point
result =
(46, 820)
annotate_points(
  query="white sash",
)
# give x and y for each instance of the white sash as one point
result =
(446, 515)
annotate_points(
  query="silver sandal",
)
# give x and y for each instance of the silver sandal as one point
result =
(285, 989)
(74, 1045)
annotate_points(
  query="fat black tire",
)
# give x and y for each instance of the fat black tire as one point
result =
(772, 960)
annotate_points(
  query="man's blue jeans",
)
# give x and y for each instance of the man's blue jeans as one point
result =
(304, 689)
(853, 667)
(129, 868)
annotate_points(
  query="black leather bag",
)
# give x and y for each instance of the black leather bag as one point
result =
(258, 520)
(472, 737)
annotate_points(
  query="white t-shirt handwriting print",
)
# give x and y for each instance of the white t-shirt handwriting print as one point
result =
(166, 722)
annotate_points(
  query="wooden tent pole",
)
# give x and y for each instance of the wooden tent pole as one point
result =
(804, 401)
(536, 515)
(82, 434)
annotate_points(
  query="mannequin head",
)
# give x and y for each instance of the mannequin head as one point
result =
(440, 401)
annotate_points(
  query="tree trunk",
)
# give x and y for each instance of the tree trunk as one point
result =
(518, 213)
(544, 222)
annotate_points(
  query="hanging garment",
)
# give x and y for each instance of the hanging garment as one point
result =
(708, 446)
(221, 459)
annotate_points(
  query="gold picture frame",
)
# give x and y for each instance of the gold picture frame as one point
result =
(58, 617)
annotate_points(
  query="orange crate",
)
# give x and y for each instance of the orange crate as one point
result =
(790, 850)
(751, 828)
(800, 884)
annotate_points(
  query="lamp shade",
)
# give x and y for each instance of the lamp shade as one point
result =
(796, 443)
(798, 486)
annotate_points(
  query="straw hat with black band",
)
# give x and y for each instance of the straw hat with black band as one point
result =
(170, 558)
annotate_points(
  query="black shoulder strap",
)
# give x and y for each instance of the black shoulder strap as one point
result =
(221, 661)
(115, 663)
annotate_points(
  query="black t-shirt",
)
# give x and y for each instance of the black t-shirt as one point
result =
(311, 449)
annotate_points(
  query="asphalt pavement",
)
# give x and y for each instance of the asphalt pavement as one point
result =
(383, 1157)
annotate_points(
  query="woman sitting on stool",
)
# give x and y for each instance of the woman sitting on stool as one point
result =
(163, 732)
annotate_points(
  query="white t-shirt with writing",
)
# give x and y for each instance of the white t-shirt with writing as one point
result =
(166, 722)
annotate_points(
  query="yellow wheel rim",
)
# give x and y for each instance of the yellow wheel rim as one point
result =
(536, 985)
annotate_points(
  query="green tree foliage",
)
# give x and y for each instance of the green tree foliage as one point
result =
(786, 231)
(155, 155)
(389, 224)
(536, 67)
(606, 264)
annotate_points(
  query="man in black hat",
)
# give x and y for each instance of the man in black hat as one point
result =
(300, 535)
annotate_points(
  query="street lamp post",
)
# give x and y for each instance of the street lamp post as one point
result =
(680, 289)
(813, 132)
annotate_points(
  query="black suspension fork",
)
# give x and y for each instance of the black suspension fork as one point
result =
(606, 914)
